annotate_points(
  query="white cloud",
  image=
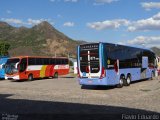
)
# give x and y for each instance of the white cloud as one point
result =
(157, 16)
(73, 1)
(152, 23)
(8, 12)
(148, 41)
(102, 2)
(150, 5)
(108, 24)
(70, 0)
(34, 22)
(38, 21)
(59, 16)
(68, 24)
(28, 22)
(52, 0)
(12, 21)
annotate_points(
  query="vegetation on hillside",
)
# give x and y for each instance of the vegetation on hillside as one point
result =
(4, 47)
(42, 39)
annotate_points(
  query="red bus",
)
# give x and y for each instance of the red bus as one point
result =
(29, 67)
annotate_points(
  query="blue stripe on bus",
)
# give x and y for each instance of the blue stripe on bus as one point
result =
(112, 78)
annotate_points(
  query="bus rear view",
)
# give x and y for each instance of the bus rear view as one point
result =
(90, 68)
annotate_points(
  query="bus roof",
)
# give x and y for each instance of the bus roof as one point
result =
(4, 56)
(37, 57)
(134, 46)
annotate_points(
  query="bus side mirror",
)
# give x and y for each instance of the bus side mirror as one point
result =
(16, 65)
(0, 66)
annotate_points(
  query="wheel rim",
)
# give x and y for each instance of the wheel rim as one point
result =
(128, 80)
(30, 77)
(56, 75)
(121, 82)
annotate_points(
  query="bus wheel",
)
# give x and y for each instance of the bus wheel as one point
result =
(55, 75)
(121, 82)
(127, 81)
(30, 77)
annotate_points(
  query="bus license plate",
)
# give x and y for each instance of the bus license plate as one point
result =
(90, 81)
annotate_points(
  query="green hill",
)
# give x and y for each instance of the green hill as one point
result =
(42, 39)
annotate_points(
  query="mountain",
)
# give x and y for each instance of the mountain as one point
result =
(42, 39)
(156, 50)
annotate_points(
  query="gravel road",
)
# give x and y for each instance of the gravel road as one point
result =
(64, 96)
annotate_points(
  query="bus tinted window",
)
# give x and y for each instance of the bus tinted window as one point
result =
(53, 61)
(127, 56)
(32, 61)
(89, 56)
(46, 61)
(58, 61)
(39, 61)
(65, 61)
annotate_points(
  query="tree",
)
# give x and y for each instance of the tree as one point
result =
(4, 47)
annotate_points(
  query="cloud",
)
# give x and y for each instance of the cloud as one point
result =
(70, 0)
(8, 12)
(108, 24)
(152, 23)
(59, 16)
(38, 21)
(157, 16)
(12, 21)
(148, 41)
(68, 24)
(52, 0)
(73, 1)
(102, 2)
(28, 22)
(34, 22)
(150, 5)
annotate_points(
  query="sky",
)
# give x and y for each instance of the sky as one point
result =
(130, 22)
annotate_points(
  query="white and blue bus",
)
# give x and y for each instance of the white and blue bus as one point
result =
(112, 64)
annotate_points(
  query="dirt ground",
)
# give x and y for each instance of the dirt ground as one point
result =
(63, 97)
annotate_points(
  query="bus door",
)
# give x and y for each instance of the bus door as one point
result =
(22, 69)
(90, 61)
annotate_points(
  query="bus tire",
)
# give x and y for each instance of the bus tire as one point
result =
(55, 75)
(127, 81)
(121, 82)
(30, 77)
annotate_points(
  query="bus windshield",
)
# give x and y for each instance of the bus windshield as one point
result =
(11, 66)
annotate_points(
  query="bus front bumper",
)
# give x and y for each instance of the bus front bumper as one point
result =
(16, 77)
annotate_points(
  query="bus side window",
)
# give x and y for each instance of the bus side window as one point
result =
(39, 61)
(63, 61)
(58, 61)
(31, 61)
(53, 61)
